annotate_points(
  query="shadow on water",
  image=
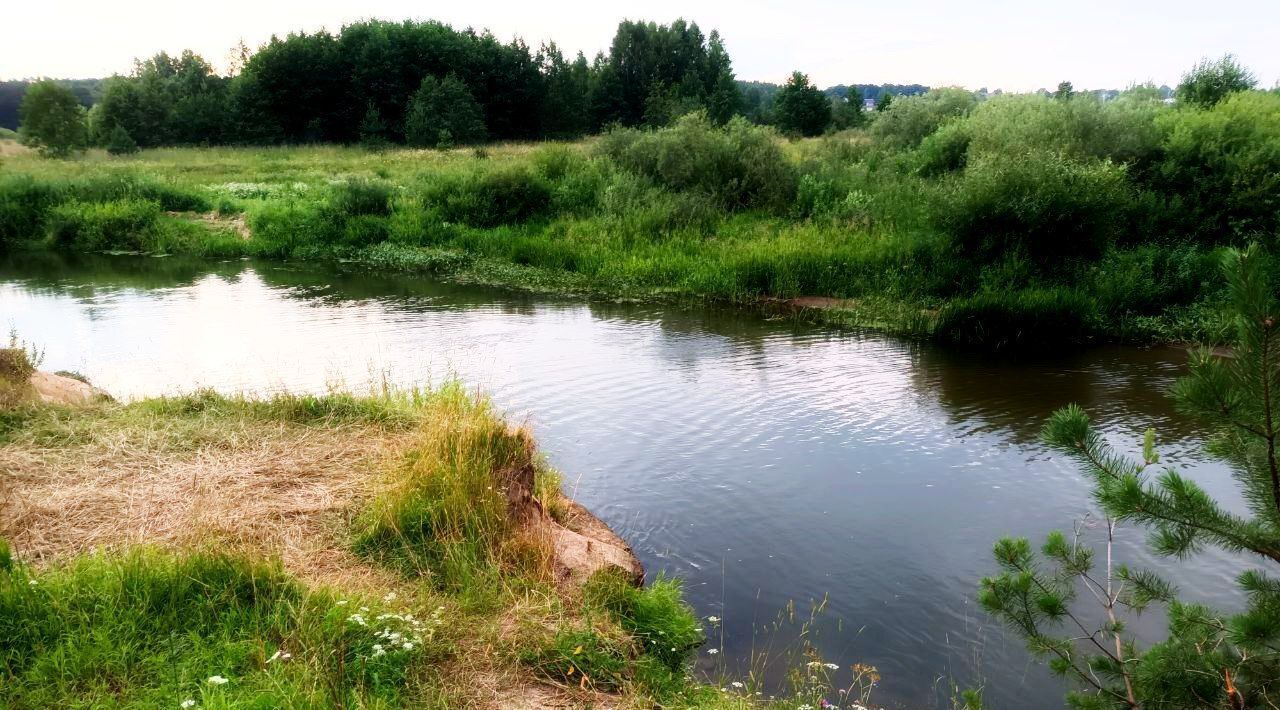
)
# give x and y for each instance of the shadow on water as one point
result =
(764, 462)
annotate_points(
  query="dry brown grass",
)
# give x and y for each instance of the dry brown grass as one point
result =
(279, 488)
(281, 482)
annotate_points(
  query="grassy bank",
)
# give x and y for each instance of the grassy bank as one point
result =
(331, 551)
(1008, 222)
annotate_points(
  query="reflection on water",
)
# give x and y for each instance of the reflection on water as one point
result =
(763, 462)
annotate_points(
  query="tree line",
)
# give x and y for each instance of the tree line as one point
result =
(421, 83)
(427, 84)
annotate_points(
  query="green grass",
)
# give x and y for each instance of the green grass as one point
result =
(978, 219)
(147, 628)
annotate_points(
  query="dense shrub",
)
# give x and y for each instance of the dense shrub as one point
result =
(1122, 130)
(945, 151)
(359, 196)
(909, 119)
(826, 196)
(738, 166)
(24, 205)
(487, 197)
(1044, 205)
(633, 206)
(1209, 82)
(1221, 167)
(442, 113)
(1017, 320)
(119, 142)
(1148, 279)
(98, 226)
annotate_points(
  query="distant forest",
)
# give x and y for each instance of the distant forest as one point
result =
(425, 83)
(88, 91)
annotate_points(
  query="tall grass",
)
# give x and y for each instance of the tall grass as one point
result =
(147, 628)
(442, 510)
(941, 198)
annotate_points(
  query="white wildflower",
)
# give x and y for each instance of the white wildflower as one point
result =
(188, 703)
(341, 602)
(407, 646)
(32, 582)
(736, 684)
(832, 666)
(216, 680)
(713, 651)
(713, 619)
(390, 597)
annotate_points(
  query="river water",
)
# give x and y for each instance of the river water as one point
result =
(765, 462)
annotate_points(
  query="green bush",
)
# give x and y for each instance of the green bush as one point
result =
(443, 112)
(944, 151)
(488, 197)
(280, 228)
(910, 119)
(119, 142)
(1082, 127)
(820, 196)
(123, 225)
(1029, 319)
(360, 196)
(1221, 167)
(1149, 279)
(737, 166)
(24, 206)
(637, 209)
(1043, 205)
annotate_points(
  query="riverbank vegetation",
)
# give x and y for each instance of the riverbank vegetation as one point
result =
(994, 221)
(316, 551)
(1210, 658)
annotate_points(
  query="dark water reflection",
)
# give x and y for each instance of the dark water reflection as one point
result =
(763, 462)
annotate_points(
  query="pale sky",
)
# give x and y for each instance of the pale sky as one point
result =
(1010, 44)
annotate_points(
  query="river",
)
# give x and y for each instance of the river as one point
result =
(763, 461)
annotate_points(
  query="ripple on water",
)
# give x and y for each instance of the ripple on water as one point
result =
(762, 462)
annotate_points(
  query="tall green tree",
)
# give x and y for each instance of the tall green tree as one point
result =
(119, 142)
(373, 130)
(849, 111)
(1209, 82)
(52, 119)
(800, 108)
(724, 100)
(566, 104)
(654, 73)
(1209, 659)
(884, 101)
(443, 113)
(1065, 91)
(166, 100)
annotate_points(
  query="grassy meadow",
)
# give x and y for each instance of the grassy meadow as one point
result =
(1018, 220)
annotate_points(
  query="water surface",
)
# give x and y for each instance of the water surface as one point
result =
(762, 461)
